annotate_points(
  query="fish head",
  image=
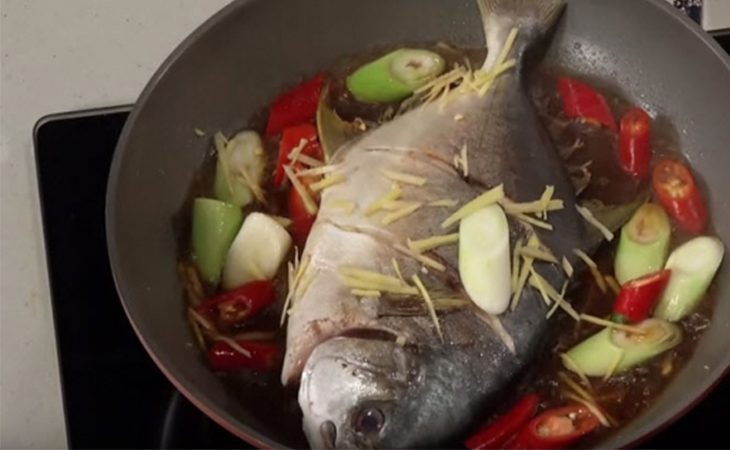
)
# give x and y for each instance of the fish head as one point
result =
(361, 393)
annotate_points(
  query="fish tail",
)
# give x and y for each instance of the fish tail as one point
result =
(531, 18)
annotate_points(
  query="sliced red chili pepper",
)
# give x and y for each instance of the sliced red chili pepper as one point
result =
(556, 429)
(291, 139)
(263, 356)
(679, 195)
(635, 143)
(296, 106)
(233, 307)
(302, 221)
(581, 101)
(497, 433)
(638, 297)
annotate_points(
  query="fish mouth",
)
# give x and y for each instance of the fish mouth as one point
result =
(328, 434)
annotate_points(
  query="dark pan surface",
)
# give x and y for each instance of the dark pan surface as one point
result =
(241, 58)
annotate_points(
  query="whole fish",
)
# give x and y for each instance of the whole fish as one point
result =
(374, 372)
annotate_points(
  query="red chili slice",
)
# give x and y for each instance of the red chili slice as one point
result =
(296, 106)
(236, 306)
(678, 193)
(635, 143)
(497, 433)
(639, 297)
(290, 140)
(263, 356)
(556, 429)
(581, 101)
(302, 221)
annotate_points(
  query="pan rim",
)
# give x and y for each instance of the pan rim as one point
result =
(186, 387)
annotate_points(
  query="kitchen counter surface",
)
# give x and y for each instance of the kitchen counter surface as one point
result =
(60, 56)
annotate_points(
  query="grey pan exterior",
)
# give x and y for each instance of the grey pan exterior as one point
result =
(237, 61)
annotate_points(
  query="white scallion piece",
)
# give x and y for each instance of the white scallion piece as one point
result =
(484, 259)
(694, 264)
(257, 251)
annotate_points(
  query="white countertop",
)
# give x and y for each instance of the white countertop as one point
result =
(60, 55)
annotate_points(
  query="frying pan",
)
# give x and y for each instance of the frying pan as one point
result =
(236, 62)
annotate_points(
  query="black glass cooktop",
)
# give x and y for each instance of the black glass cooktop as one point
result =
(113, 394)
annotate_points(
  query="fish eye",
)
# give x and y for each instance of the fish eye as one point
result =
(369, 420)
